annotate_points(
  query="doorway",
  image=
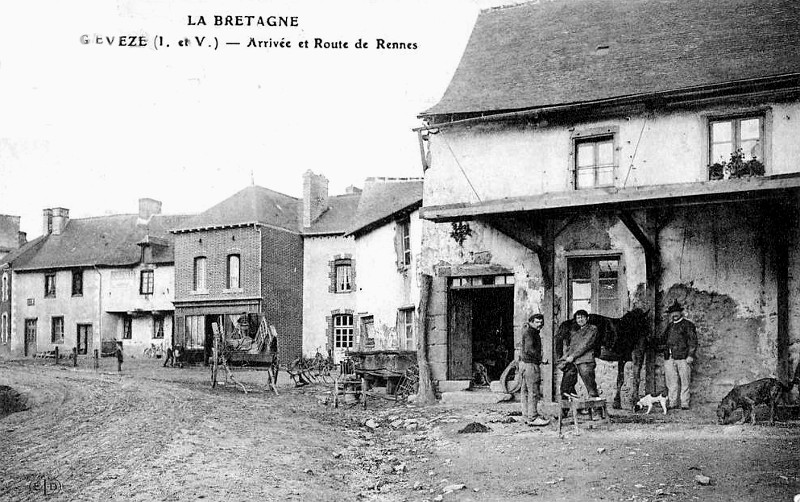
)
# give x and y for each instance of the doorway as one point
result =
(84, 335)
(30, 337)
(481, 327)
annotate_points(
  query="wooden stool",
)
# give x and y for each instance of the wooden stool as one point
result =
(590, 404)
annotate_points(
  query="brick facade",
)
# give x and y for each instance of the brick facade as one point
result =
(282, 284)
(271, 276)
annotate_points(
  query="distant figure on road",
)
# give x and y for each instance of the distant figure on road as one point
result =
(118, 353)
(170, 358)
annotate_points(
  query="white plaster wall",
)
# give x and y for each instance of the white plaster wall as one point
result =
(122, 291)
(382, 289)
(317, 301)
(75, 309)
(438, 248)
(501, 161)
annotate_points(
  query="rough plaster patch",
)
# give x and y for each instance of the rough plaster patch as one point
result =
(731, 349)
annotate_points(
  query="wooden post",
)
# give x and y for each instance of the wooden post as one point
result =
(96, 359)
(56, 355)
(425, 392)
(74, 357)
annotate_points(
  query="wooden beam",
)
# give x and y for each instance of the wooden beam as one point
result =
(700, 192)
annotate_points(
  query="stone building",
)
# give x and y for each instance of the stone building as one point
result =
(614, 155)
(87, 282)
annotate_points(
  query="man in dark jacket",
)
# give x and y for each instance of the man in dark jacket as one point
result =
(530, 357)
(680, 346)
(579, 357)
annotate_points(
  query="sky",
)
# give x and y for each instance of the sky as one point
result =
(94, 127)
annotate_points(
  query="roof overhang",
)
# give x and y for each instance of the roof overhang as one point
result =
(399, 214)
(613, 199)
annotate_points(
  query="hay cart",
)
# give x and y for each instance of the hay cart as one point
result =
(235, 349)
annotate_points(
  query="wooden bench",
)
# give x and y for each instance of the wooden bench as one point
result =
(590, 404)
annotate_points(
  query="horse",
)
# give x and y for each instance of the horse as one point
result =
(618, 340)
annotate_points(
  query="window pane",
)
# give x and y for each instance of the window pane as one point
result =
(722, 132)
(585, 154)
(580, 269)
(605, 176)
(750, 129)
(721, 152)
(585, 178)
(751, 148)
(605, 153)
(581, 290)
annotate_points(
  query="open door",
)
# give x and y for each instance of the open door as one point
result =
(460, 343)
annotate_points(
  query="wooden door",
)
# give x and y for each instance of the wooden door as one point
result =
(460, 336)
(30, 337)
(84, 335)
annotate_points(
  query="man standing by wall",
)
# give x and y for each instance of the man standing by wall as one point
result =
(680, 343)
(579, 357)
(530, 357)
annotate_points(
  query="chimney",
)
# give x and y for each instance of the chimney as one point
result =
(315, 196)
(148, 207)
(60, 220)
(47, 221)
(23, 238)
(352, 190)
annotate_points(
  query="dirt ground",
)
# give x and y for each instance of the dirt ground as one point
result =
(157, 433)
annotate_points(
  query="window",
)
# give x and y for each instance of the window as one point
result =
(147, 282)
(5, 286)
(50, 285)
(343, 331)
(594, 286)
(344, 276)
(199, 283)
(594, 162)
(4, 329)
(405, 229)
(406, 329)
(57, 330)
(158, 326)
(127, 328)
(726, 136)
(195, 331)
(234, 269)
(77, 282)
(402, 244)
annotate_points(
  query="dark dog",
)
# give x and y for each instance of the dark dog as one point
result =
(764, 391)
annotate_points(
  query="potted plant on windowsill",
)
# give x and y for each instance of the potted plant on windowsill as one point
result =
(736, 167)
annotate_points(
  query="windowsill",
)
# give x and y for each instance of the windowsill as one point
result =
(233, 290)
(199, 292)
(77, 295)
(343, 292)
(49, 297)
(145, 294)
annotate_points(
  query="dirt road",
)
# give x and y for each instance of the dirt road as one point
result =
(157, 433)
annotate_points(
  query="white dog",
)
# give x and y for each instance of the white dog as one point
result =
(649, 400)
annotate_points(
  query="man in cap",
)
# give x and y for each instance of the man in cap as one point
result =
(579, 356)
(680, 345)
(530, 357)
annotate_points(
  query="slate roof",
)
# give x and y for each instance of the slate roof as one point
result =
(382, 200)
(101, 241)
(253, 204)
(546, 53)
(338, 218)
(22, 251)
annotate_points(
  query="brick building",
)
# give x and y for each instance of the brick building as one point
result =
(237, 262)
